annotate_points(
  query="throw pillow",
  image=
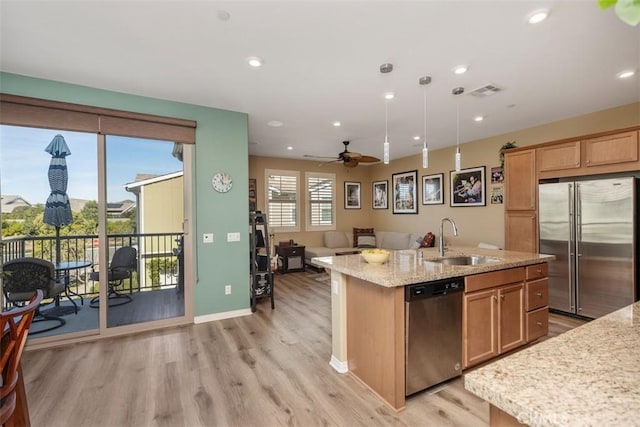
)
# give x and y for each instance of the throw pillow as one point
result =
(357, 231)
(428, 240)
(366, 240)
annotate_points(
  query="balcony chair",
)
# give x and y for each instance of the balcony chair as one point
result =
(123, 264)
(22, 277)
(15, 325)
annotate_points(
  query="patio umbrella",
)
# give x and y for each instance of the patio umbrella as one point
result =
(57, 210)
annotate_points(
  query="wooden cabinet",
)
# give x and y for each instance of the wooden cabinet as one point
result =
(537, 301)
(610, 150)
(618, 152)
(493, 314)
(521, 231)
(558, 156)
(521, 188)
(520, 175)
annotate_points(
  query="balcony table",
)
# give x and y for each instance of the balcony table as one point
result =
(63, 269)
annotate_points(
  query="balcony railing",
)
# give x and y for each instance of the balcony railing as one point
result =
(157, 257)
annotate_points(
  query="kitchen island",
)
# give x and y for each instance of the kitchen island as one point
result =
(587, 376)
(368, 308)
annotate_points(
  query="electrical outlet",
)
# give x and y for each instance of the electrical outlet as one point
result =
(207, 238)
(227, 290)
(233, 237)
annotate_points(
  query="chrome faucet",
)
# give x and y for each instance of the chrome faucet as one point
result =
(441, 237)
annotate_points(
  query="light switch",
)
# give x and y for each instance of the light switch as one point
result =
(233, 237)
(207, 238)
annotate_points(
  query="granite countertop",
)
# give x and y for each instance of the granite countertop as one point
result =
(588, 376)
(405, 266)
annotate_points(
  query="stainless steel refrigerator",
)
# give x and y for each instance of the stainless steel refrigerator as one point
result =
(590, 226)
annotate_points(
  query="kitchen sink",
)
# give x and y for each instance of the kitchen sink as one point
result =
(466, 260)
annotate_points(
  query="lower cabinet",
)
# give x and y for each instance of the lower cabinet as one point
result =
(503, 310)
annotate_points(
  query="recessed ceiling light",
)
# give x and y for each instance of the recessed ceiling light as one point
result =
(389, 95)
(478, 118)
(255, 62)
(538, 16)
(275, 124)
(416, 138)
(625, 74)
(289, 148)
(337, 124)
(460, 69)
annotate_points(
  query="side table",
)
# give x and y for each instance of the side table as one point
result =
(290, 258)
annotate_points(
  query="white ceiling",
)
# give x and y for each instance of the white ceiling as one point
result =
(322, 63)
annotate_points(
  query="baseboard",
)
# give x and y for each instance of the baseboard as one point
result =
(220, 316)
(338, 365)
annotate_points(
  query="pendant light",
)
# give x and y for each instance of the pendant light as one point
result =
(424, 81)
(385, 146)
(458, 91)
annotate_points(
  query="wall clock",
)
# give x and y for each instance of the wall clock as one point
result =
(221, 182)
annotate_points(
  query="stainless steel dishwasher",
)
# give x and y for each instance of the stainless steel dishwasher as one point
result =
(433, 333)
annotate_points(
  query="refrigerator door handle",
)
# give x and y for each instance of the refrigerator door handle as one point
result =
(572, 249)
(578, 240)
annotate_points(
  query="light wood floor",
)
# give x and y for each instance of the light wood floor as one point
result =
(267, 369)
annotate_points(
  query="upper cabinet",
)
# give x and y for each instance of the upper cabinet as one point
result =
(604, 154)
(520, 176)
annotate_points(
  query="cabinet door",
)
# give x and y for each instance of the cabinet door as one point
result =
(611, 149)
(480, 339)
(521, 231)
(558, 156)
(520, 180)
(511, 317)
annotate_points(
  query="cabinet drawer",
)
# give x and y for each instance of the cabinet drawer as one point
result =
(537, 294)
(492, 279)
(537, 271)
(537, 324)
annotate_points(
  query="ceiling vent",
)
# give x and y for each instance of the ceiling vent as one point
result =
(486, 90)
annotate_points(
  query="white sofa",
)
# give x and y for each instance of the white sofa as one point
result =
(342, 241)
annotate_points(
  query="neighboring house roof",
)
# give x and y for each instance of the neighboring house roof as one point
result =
(10, 202)
(134, 186)
(120, 208)
(77, 204)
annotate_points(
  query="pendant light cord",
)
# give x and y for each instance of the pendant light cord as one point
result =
(425, 116)
(386, 119)
(458, 125)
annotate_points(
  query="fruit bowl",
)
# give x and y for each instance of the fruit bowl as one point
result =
(375, 256)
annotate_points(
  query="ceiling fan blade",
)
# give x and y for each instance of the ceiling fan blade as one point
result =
(368, 159)
(351, 155)
(321, 157)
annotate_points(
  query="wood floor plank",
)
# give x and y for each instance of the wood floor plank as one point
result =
(267, 369)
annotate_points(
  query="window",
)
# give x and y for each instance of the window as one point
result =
(282, 195)
(321, 203)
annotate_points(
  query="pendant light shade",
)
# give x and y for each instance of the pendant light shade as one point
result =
(385, 146)
(458, 159)
(424, 81)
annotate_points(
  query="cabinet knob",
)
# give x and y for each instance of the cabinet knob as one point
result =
(539, 294)
(539, 270)
(539, 324)
(502, 297)
(495, 298)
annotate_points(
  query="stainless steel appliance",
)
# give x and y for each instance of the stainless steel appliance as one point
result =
(590, 227)
(433, 333)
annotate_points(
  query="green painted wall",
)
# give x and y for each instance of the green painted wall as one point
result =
(221, 145)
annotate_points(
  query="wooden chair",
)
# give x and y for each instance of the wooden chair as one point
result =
(15, 328)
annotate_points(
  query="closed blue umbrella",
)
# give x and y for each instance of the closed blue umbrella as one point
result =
(57, 211)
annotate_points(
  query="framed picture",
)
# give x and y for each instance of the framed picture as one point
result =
(497, 175)
(380, 194)
(468, 187)
(405, 193)
(432, 190)
(351, 195)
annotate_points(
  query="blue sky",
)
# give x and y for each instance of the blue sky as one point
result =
(24, 163)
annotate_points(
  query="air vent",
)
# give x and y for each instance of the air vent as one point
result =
(486, 90)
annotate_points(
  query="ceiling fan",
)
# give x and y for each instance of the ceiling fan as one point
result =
(348, 158)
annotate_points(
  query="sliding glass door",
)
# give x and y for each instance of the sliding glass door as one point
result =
(126, 199)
